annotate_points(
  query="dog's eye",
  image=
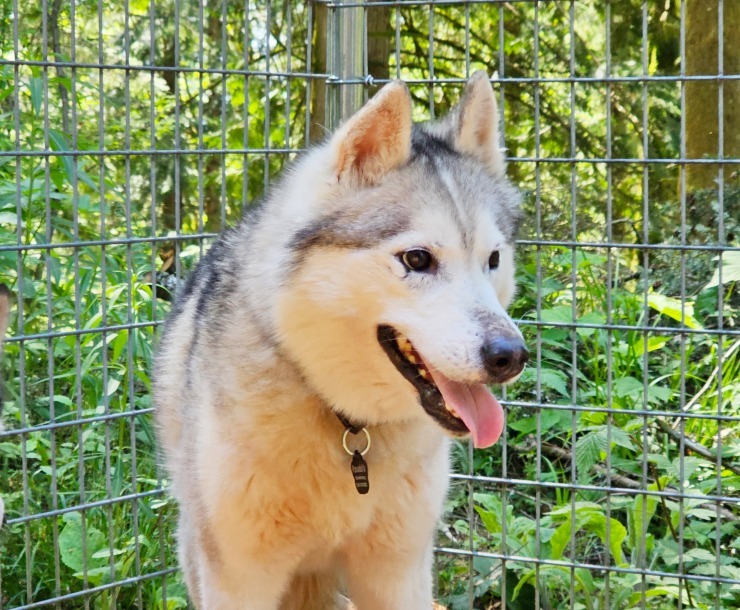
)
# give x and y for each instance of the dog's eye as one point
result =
(417, 260)
(493, 260)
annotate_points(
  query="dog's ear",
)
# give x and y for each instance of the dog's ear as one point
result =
(377, 138)
(476, 124)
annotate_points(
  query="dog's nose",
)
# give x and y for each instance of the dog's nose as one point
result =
(504, 358)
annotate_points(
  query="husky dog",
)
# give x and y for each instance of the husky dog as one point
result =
(331, 344)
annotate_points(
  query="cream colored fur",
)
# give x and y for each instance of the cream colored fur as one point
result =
(247, 379)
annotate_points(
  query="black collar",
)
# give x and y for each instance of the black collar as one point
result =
(352, 427)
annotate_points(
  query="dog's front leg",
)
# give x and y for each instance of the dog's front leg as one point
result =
(224, 571)
(244, 587)
(400, 580)
(389, 566)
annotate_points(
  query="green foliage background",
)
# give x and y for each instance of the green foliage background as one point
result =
(102, 106)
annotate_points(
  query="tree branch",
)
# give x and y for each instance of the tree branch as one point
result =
(694, 446)
(559, 453)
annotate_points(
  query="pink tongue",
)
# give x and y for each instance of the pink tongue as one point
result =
(476, 406)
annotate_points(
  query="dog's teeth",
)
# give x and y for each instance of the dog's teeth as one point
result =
(451, 411)
(424, 373)
(412, 359)
(403, 343)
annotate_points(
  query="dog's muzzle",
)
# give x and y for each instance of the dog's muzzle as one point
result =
(460, 407)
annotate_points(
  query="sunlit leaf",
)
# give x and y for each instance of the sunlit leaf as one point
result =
(730, 269)
(675, 309)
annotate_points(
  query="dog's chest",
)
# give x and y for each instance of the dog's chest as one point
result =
(304, 498)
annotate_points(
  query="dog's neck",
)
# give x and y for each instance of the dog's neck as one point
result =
(353, 427)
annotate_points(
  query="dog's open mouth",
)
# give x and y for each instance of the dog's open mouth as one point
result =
(460, 408)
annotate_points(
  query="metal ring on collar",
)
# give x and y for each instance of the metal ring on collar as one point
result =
(347, 449)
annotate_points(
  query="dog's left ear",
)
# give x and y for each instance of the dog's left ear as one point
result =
(476, 124)
(376, 139)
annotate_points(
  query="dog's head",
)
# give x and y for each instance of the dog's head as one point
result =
(404, 264)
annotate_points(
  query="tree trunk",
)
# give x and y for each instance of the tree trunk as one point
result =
(379, 33)
(317, 127)
(56, 9)
(165, 165)
(213, 164)
(702, 97)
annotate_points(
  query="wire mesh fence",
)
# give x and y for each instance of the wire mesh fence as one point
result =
(132, 133)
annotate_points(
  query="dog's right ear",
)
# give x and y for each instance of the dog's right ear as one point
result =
(376, 139)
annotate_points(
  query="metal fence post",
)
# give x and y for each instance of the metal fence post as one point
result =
(346, 45)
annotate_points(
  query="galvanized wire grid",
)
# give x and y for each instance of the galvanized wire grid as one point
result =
(177, 168)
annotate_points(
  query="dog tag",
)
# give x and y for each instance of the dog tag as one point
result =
(359, 472)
